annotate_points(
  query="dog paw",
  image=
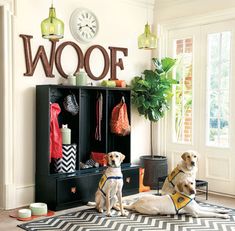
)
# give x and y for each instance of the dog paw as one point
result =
(124, 214)
(225, 216)
(222, 211)
(100, 210)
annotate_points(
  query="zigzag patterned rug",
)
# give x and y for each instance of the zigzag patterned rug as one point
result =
(90, 220)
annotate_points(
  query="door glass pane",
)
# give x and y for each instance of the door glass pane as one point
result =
(218, 77)
(182, 102)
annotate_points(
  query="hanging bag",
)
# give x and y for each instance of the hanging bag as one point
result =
(119, 123)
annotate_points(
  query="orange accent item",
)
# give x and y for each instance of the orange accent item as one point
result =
(99, 157)
(141, 179)
(119, 123)
(120, 83)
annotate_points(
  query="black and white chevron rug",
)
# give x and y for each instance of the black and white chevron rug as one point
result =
(91, 220)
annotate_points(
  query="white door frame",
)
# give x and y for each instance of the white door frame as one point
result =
(186, 22)
(7, 149)
(164, 27)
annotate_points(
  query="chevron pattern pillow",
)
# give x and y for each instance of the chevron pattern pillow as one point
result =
(68, 161)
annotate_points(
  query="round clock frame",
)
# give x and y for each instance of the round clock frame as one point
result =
(84, 25)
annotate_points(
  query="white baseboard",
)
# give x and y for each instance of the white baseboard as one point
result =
(24, 195)
(17, 196)
(9, 200)
(222, 194)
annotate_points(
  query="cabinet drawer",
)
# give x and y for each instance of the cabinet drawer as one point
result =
(130, 181)
(71, 190)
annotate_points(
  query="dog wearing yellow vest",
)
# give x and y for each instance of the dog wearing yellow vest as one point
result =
(181, 202)
(110, 185)
(186, 168)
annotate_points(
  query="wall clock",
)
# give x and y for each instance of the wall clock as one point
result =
(83, 25)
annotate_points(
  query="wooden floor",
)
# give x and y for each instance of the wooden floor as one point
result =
(9, 224)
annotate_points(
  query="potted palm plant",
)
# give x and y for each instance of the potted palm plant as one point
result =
(151, 94)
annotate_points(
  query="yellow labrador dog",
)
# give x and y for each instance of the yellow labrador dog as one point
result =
(181, 202)
(187, 168)
(110, 185)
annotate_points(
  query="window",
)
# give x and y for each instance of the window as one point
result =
(218, 81)
(182, 102)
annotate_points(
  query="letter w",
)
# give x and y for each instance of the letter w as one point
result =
(41, 54)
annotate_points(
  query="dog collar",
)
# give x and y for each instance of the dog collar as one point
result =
(110, 166)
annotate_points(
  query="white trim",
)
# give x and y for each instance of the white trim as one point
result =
(221, 194)
(8, 153)
(141, 3)
(182, 26)
(209, 158)
(198, 20)
(1, 106)
(10, 4)
(170, 3)
(24, 195)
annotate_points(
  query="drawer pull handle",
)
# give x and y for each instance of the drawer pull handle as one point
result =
(128, 180)
(73, 190)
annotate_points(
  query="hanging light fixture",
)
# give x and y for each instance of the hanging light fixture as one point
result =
(147, 40)
(52, 27)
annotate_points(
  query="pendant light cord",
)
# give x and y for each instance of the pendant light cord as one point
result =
(147, 10)
(52, 3)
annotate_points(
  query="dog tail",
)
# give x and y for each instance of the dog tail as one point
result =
(91, 203)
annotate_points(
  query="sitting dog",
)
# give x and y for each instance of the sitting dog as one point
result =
(187, 168)
(180, 202)
(110, 185)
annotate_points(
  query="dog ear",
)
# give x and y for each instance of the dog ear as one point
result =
(122, 157)
(180, 186)
(183, 156)
(106, 157)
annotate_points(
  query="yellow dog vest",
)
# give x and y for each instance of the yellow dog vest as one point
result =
(173, 174)
(180, 200)
(104, 179)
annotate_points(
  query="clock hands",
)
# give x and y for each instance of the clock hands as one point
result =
(91, 28)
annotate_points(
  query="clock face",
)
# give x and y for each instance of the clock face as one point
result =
(83, 25)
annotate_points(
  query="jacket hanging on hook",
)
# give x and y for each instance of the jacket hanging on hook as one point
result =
(55, 134)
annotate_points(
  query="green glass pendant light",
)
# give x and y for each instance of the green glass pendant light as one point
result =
(147, 40)
(52, 27)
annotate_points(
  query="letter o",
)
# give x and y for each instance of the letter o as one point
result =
(58, 57)
(87, 62)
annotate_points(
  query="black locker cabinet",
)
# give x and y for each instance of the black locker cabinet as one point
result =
(65, 190)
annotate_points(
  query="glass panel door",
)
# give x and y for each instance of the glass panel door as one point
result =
(201, 117)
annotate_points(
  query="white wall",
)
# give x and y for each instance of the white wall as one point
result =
(120, 24)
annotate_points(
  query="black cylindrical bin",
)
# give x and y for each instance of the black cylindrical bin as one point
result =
(155, 168)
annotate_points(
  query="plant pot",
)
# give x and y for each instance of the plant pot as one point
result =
(154, 168)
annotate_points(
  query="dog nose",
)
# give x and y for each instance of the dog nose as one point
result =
(192, 163)
(113, 161)
(192, 192)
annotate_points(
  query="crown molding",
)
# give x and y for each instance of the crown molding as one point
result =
(9, 4)
(201, 19)
(168, 3)
(141, 3)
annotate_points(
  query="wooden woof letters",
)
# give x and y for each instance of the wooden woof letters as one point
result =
(83, 61)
